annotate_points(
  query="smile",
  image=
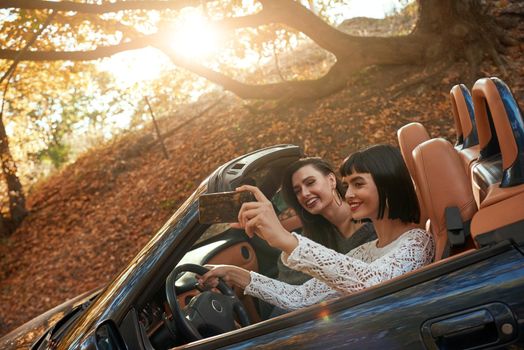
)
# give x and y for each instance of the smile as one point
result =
(354, 205)
(311, 202)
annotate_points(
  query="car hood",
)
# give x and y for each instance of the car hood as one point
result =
(26, 335)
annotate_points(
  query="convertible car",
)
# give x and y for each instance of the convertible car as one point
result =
(472, 196)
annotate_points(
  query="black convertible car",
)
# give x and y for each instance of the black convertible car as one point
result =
(472, 194)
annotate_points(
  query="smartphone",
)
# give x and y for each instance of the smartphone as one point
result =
(222, 207)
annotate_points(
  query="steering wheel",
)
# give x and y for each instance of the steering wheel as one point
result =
(208, 313)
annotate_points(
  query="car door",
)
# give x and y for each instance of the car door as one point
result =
(469, 301)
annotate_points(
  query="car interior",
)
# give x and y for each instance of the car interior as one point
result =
(471, 195)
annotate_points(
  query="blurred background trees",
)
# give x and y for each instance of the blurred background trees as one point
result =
(88, 65)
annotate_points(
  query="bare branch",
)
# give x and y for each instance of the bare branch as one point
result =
(112, 23)
(333, 81)
(87, 55)
(293, 14)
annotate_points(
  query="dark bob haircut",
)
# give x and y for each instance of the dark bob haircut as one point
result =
(391, 176)
(315, 227)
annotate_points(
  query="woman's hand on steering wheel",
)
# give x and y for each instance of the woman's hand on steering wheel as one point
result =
(232, 275)
(207, 312)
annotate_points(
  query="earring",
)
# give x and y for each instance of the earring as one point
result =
(336, 197)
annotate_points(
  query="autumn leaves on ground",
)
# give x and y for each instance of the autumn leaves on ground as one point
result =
(87, 221)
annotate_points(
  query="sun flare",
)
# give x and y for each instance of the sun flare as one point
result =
(136, 66)
(193, 36)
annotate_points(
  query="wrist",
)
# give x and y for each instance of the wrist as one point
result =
(242, 278)
(287, 242)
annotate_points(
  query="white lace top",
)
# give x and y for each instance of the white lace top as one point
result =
(338, 274)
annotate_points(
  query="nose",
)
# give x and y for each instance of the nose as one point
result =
(349, 194)
(304, 192)
(299, 194)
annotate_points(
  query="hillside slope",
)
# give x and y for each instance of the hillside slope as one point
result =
(87, 221)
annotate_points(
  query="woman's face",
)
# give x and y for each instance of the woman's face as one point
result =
(313, 189)
(361, 195)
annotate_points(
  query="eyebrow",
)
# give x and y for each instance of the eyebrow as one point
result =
(357, 178)
(304, 180)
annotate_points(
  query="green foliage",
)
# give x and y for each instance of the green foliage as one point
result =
(56, 154)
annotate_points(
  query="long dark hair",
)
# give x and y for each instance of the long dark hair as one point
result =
(315, 227)
(391, 176)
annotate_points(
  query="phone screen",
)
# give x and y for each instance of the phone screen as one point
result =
(222, 207)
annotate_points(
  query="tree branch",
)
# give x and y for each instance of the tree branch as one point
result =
(112, 23)
(333, 81)
(20, 53)
(352, 52)
(342, 45)
(293, 14)
(99, 9)
(87, 55)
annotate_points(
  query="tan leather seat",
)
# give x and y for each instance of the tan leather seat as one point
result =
(409, 137)
(501, 131)
(500, 197)
(464, 118)
(443, 183)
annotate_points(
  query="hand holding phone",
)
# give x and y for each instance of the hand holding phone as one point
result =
(222, 207)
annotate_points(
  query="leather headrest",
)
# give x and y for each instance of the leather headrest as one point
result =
(484, 90)
(464, 116)
(410, 136)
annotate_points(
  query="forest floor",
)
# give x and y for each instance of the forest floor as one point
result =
(87, 221)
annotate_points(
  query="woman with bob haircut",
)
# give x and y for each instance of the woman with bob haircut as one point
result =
(378, 188)
(391, 177)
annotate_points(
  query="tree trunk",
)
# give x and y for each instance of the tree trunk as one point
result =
(5, 227)
(465, 31)
(14, 187)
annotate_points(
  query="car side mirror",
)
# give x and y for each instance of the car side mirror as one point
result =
(108, 337)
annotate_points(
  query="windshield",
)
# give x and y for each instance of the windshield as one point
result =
(55, 333)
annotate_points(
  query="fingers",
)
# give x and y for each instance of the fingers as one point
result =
(255, 190)
(208, 281)
(238, 225)
(247, 213)
(210, 278)
(252, 209)
(252, 228)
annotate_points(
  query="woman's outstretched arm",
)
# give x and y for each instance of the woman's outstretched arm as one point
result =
(365, 265)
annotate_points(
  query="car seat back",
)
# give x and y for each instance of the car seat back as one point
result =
(446, 193)
(499, 172)
(498, 179)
